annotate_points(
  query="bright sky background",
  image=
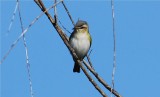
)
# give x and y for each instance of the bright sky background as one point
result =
(138, 49)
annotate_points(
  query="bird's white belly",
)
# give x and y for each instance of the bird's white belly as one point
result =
(81, 45)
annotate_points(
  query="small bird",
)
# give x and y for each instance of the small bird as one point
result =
(80, 40)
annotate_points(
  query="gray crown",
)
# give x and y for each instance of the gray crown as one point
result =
(80, 23)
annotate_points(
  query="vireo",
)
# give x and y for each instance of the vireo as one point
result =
(81, 41)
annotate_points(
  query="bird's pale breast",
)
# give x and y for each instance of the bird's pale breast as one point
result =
(80, 44)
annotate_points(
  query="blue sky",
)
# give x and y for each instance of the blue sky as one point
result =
(137, 25)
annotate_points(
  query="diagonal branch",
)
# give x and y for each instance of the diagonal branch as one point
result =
(101, 80)
(41, 5)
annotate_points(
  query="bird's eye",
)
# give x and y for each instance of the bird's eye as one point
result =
(82, 27)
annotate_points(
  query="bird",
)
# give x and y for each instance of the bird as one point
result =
(80, 40)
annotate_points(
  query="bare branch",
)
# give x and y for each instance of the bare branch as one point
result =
(101, 80)
(55, 11)
(68, 15)
(91, 80)
(64, 27)
(41, 5)
(89, 60)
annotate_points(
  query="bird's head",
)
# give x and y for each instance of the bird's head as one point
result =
(81, 25)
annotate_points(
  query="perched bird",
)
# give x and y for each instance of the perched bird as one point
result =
(80, 40)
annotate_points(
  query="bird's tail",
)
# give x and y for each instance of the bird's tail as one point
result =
(76, 68)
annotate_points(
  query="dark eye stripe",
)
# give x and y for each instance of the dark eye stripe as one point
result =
(83, 27)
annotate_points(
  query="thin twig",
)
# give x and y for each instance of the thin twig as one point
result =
(114, 43)
(11, 22)
(55, 11)
(56, 18)
(91, 80)
(89, 60)
(24, 32)
(66, 42)
(64, 27)
(26, 51)
(101, 80)
(68, 13)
